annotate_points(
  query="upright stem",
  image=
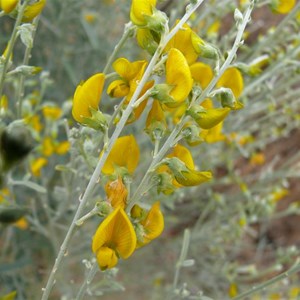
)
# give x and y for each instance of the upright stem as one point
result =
(11, 45)
(20, 92)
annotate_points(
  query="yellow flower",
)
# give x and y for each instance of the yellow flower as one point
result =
(257, 159)
(181, 165)
(233, 290)
(232, 79)
(213, 135)
(8, 5)
(62, 148)
(152, 225)
(21, 224)
(52, 112)
(48, 147)
(214, 28)
(201, 73)
(202, 48)
(34, 122)
(144, 14)
(206, 116)
(33, 10)
(115, 237)
(282, 6)
(278, 194)
(179, 81)
(37, 165)
(86, 101)
(125, 153)
(183, 42)
(116, 193)
(128, 71)
(3, 103)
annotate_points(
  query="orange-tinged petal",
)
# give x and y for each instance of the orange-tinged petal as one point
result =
(233, 79)
(117, 233)
(125, 153)
(201, 73)
(139, 9)
(116, 193)
(178, 74)
(86, 96)
(153, 223)
(106, 258)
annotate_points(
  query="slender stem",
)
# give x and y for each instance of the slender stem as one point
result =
(232, 52)
(294, 269)
(11, 45)
(94, 178)
(126, 34)
(90, 276)
(20, 92)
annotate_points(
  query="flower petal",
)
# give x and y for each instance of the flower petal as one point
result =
(117, 233)
(201, 73)
(233, 79)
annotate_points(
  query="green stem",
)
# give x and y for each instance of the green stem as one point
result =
(126, 34)
(90, 276)
(294, 269)
(11, 45)
(20, 92)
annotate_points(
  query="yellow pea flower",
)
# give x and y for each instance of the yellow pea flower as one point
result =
(140, 10)
(179, 81)
(206, 116)
(62, 148)
(114, 238)
(4, 194)
(33, 10)
(86, 101)
(232, 79)
(214, 28)
(152, 225)
(201, 73)
(213, 135)
(37, 165)
(232, 290)
(181, 164)
(127, 71)
(52, 112)
(257, 159)
(35, 122)
(116, 193)
(125, 153)
(182, 41)
(21, 224)
(48, 147)
(186, 176)
(144, 14)
(8, 5)
(282, 6)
